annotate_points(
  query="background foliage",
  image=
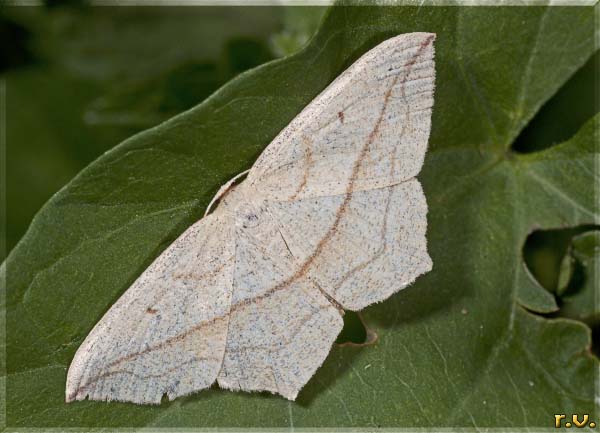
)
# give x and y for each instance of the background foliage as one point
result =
(457, 348)
(88, 78)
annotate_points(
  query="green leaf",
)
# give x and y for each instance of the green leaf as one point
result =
(544, 253)
(454, 349)
(553, 124)
(151, 101)
(300, 24)
(580, 276)
(531, 294)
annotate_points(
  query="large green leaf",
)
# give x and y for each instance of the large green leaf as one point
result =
(455, 349)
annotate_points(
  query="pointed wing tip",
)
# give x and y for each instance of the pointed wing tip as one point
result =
(289, 394)
(423, 36)
(70, 390)
(291, 397)
(428, 266)
(74, 375)
(72, 394)
(423, 39)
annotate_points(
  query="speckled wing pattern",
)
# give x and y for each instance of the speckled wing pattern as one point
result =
(252, 296)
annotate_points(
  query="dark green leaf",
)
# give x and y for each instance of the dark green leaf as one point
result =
(580, 275)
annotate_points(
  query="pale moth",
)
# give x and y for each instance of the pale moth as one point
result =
(330, 217)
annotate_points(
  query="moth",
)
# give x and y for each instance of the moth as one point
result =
(330, 217)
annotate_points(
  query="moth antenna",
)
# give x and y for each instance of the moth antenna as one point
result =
(223, 190)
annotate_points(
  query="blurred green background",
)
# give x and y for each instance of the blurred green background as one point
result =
(80, 79)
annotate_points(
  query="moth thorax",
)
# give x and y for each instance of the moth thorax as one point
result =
(249, 215)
